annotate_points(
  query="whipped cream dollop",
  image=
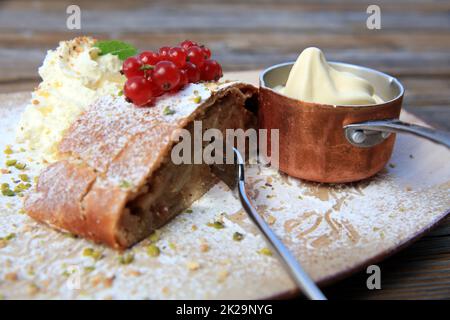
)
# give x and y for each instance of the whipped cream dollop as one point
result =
(73, 76)
(312, 79)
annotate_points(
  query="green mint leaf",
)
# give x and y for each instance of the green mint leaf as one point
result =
(116, 47)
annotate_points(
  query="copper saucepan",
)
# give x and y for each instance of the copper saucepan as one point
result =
(334, 143)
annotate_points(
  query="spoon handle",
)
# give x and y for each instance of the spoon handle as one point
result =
(304, 282)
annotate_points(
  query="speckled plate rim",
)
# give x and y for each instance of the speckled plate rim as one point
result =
(332, 279)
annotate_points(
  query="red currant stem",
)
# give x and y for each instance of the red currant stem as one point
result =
(147, 67)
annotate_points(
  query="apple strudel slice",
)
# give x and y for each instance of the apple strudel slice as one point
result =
(115, 181)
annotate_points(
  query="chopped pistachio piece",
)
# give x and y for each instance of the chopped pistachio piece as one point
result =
(155, 236)
(237, 236)
(89, 269)
(4, 186)
(9, 237)
(153, 250)
(125, 184)
(20, 166)
(197, 99)
(189, 211)
(167, 111)
(10, 162)
(216, 225)
(70, 235)
(8, 150)
(22, 187)
(265, 251)
(24, 177)
(8, 193)
(126, 258)
(92, 253)
(65, 273)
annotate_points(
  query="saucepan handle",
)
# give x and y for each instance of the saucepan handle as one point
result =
(370, 133)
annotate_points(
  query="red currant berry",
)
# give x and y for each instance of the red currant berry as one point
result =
(192, 72)
(139, 90)
(164, 53)
(149, 57)
(183, 79)
(206, 52)
(131, 67)
(148, 71)
(186, 44)
(183, 82)
(178, 56)
(211, 70)
(196, 56)
(156, 90)
(166, 75)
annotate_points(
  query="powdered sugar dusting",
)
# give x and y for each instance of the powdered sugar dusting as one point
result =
(329, 228)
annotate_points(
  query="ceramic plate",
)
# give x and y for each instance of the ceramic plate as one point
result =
(333, 230)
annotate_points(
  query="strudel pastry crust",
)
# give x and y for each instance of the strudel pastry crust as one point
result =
(115, 182)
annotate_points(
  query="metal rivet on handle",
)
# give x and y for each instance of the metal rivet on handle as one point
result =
(385, 134)
(358, 136)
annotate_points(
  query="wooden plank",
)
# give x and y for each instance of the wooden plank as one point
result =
(442, 230)
(16, 86)
(422, 271)
(20, 63)
(274, 41)
(305, 5)
(426, 91)
(437, 116)
(186, 16)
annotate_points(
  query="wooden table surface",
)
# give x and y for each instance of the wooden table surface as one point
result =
(413, 45)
